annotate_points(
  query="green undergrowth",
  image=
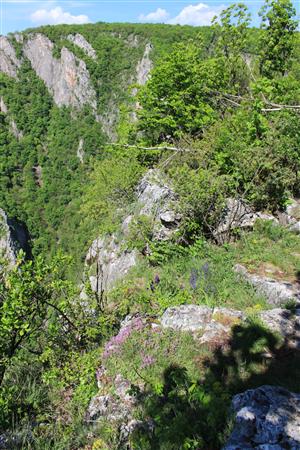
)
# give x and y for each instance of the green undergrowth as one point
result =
(204, 273)
(271, 251)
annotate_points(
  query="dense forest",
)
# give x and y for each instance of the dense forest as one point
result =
(218, 119)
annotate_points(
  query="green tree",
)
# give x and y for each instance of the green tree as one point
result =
(230, 35)
(34, 301)
(178, 99)
(111, 187)
(277, 41)
(230, 30)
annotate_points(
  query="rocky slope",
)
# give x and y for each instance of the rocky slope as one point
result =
(109, 259)
(91, 78)
(267, 415)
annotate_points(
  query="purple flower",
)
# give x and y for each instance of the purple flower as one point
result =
(147, 361)
(114, 345)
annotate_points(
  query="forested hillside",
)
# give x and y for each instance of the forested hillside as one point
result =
(152, 172)
(43, 178)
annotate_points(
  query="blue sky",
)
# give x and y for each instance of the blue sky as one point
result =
(17, 15)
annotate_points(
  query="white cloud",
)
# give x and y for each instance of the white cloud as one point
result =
(55, 16)
(200, 14)
(156, 16)
(197, 15)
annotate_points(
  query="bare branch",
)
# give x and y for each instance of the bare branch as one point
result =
(174, 149)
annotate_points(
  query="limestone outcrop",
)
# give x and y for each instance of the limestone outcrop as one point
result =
(277, 292)
(66, 78)
(238, 215)
(108, 262)
(216, 323)
(144, 66)
(266, 418)
(9, 63)
(81, 42)
(291, 216)
(109, 259)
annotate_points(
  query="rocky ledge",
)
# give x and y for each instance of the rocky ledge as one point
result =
(215, 324)
(277, 292)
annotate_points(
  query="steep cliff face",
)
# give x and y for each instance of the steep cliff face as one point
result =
(144, 66)
(13, 238)
(67, 78)
(9, 62)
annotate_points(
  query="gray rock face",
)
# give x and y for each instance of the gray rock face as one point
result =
(110, 261)
(144, 66)
(9, 62)
(284, 322)
(214, 323)
(19, 37)
(80, 151)
(186, 317)
(277, 292)
(116, 408)
(158, 200)
(112, 407)
(13, 238)
(143, 70)
(291, 216)
(81, 42)
(267, 418)
(15, 130)
(237, 214)
(66, 78)
(3, 107)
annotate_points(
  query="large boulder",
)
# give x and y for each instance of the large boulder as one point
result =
(216, 323)
(284, 322)
(266, 418)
